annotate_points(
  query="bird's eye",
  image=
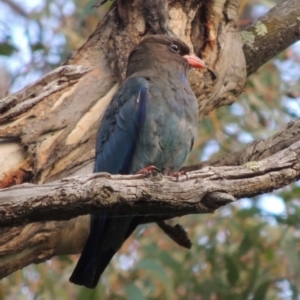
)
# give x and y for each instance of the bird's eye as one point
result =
(175, 47)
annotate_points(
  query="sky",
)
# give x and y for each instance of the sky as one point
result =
(21, 31)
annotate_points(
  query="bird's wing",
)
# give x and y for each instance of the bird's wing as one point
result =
(120, 127)
(115, 147)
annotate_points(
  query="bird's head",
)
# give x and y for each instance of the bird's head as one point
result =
(159, 52)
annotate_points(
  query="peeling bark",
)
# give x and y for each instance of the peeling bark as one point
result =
(53, 123)
(203, 191)
(37, 242)
(48, 130)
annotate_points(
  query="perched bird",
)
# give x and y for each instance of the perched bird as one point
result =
(151, 121)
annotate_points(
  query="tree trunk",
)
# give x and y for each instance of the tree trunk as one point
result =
(48, 129)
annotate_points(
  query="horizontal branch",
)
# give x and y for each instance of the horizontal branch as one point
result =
(202, 192)
(56, 149)
(37, 242)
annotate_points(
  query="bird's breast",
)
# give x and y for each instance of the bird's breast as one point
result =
(170, 127)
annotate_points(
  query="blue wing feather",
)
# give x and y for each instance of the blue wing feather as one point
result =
(116, 140)
(120, 127)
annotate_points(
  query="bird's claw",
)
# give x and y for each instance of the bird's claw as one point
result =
(178, 174)
(149, 170)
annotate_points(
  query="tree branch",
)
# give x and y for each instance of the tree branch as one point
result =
(51, 131)
(204, 191)
(257, 150)
(271, 34)
(36, 242)
(48, 131)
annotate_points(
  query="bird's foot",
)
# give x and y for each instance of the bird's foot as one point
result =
(178, 174)
(150, 170)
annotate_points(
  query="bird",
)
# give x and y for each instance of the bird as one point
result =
(151, 122)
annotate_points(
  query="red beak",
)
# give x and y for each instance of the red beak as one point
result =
(195, 62)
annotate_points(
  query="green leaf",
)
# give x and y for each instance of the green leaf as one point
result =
(295, 291)
(289, 244)
(269, 254)
(157, 272)
(232, 270)
(248, 212)
(7, 49)
(261, 291)
(169, 261)
(97, 293)
(245, 245)
(133, 292)
(253, 277)
(37, 46)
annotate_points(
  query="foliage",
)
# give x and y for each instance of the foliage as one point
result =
(244, 251)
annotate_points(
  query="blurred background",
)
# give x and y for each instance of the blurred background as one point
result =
(247, 250)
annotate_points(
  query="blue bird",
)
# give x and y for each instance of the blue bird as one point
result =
(151, 121)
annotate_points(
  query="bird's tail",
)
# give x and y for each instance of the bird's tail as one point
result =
(89, 266)
(94, 260)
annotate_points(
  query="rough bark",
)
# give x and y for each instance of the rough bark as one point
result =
(45, 238)
(37, 242)
(271, 34)
(200, 191)
(51, 126)
(47, 131)
(257, 150)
